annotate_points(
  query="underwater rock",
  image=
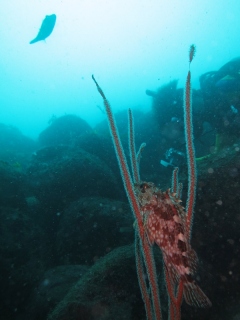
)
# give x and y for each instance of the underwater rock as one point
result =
(221, 93)
(228, 77)
(53, 286)
(217, 207)
(12, 185)
(60, 175)
(65, 130)
(15, 148)
(46, 28)
(216, 228)
(101, 146)
(22, 259)
(98, 145)
(167, 111)
(91, 227)
(167, 102)
(109, 290)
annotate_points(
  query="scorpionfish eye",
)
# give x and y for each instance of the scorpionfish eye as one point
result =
(143, 187)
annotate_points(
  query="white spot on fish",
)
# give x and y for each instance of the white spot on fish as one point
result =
(176, 219)
(181, 237)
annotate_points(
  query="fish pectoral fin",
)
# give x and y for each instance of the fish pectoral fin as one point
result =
(172, 274)
(194, 296)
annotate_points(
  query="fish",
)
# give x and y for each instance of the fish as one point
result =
(45, 29)
(165, 225)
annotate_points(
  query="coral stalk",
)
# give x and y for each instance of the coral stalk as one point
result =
(133, 157)
(127, 181)
(192, 171)
(175, 180)
(141, 278)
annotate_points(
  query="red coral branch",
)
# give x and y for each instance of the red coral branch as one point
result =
(192, 171)
(127, 181)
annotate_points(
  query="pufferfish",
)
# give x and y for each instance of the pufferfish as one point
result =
(165, 225)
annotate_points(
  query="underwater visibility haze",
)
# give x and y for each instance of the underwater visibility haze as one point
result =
(119, 160)
(131, 46)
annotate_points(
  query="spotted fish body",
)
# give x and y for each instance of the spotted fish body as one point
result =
(165, 224)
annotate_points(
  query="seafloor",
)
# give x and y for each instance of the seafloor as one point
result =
(66, 233)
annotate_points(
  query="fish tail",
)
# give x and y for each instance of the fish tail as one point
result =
(34, 40)
(194, 296)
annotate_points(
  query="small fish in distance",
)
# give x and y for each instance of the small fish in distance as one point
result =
(46, 28)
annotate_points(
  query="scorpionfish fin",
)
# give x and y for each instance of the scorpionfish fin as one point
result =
(193, 261)
(172, 273)
(194, 296)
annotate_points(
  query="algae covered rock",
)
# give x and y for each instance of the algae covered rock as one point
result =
(91, 227)
(65, 130)
(59, 175)
(12, 185)
(53, 286)
(109, 290)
